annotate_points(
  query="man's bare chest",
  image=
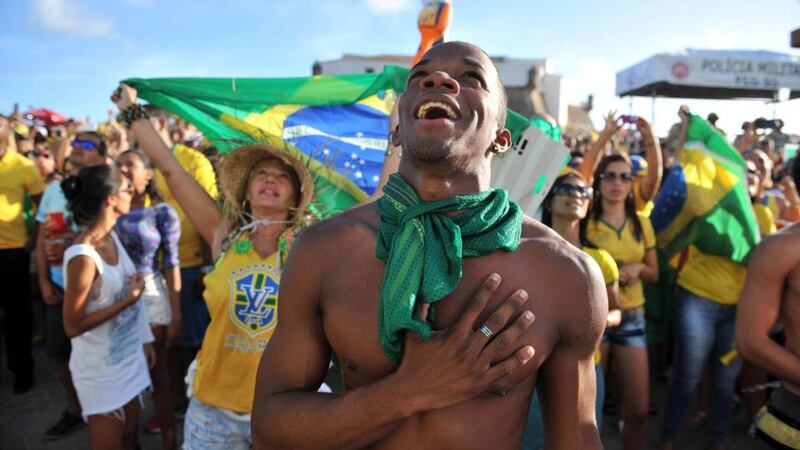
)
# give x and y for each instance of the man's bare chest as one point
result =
(350, 306)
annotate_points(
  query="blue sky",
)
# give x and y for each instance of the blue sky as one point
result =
(69, 54)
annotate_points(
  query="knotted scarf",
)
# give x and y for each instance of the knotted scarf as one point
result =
(423, 247)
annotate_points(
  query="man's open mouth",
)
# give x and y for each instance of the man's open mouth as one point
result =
(436, 110)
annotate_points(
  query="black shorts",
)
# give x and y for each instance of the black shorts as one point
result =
(778, 423)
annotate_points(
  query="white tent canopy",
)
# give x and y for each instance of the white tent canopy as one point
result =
(712, 74)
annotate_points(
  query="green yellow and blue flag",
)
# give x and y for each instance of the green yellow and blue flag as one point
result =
(337, 125)
(704, 200)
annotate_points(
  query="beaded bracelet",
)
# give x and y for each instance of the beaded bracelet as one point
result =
(131, 114)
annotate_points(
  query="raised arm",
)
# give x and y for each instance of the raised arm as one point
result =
(790, 206)
(61, 152)
(747, 139)
(595, 153)
(445, 370)
(200, 208)
(567, 378)
(776, 257)
(652, 153)
(683, 114)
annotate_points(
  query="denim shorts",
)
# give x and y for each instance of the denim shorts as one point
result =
(208, 428)
(631, 330)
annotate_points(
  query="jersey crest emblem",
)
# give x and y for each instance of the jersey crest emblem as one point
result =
(255, 301)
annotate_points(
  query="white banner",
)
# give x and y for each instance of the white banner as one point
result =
(731, 69)
(528, 169)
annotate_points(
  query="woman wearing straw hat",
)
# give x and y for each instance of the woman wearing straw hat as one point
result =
(266, 193)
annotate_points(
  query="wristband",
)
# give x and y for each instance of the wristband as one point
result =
(132, 113)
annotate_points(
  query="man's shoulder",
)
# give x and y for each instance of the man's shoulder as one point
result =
(354, 226)
(779, 245)
(16, 161)
(18, 158)
(545, 247)
(576, 276)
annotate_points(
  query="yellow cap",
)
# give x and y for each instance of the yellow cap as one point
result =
(567, 170)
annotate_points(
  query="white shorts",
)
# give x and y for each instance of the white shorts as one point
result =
(156, 300)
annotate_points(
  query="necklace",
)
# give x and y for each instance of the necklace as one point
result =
(243, 246)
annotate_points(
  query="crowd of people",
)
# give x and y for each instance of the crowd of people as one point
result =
(704, 291)
(151, 266)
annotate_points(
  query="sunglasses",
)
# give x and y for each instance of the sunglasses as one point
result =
(566, 189)
(86, 145)
(38, 154)
(613, 176)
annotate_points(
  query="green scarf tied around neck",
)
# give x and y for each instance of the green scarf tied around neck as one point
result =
(423, 247)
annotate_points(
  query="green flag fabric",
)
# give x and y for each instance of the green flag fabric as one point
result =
(423, 247)
(704, 200)
(337, 125)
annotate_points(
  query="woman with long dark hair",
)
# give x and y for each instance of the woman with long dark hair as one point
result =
(615, 226)
(102, 315)
(150, 233)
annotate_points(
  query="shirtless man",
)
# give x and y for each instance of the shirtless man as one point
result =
(458, 389)
(771, 293)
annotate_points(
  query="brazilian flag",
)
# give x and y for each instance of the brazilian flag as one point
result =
(337, 125)
(704, 200)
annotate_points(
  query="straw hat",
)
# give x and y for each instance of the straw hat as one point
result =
(235, 175)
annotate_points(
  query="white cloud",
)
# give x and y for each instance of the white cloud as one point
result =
(69, 17)
(388, 6)
(712, 39)
(592, 76)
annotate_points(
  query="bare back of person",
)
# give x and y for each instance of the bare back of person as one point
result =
(771, 295)
(790, 304)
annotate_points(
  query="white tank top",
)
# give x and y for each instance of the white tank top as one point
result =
(107, 363)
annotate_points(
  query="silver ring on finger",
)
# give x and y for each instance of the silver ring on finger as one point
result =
(486, 331)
